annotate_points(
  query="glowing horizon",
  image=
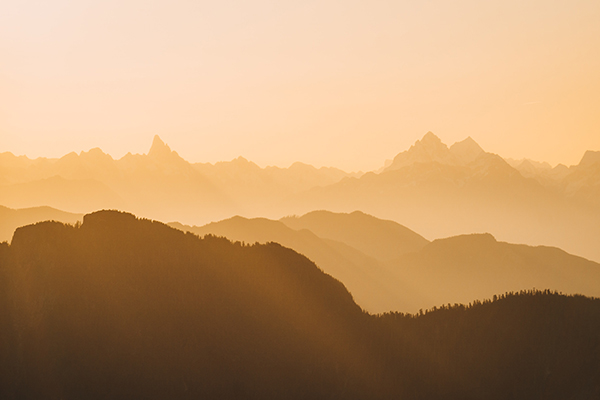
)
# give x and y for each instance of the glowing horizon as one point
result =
(341, 84)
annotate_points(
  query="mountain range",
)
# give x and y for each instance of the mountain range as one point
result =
(438, 191)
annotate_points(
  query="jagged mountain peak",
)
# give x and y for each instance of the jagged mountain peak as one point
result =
(429, 142)
(158, 147)
(429, 149)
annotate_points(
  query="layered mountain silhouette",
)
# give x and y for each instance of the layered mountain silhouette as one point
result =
(440, 192)
(360, 266)
(160, 184)
(387, 267)
(437, 190)
(119, 307)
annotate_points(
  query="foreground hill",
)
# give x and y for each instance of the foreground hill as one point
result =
(11, 219)
(386, 266)
(372, 285)
(126, 308)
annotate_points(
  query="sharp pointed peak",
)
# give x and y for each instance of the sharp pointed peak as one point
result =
(158, 147)
(158, 141)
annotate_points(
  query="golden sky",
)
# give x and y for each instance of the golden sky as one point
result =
(338, 83)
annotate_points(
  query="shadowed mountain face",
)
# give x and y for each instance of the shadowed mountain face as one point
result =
(126, 308)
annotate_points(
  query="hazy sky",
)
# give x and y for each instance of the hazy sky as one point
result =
(341, 83)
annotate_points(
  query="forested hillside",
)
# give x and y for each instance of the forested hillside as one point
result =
(119, 307)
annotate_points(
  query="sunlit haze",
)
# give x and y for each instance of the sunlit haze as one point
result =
(336, 83)
(299, 199)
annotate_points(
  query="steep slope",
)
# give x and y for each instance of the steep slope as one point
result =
(370, 283)
(380, 239)
(11, 219)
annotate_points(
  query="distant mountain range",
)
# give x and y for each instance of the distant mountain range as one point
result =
(122, 308)
(11, 219)
(440, 192)
(437, 190)
(160, 184)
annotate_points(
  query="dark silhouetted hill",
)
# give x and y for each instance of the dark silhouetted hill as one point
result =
(128, 308)
(521, 345)
(125, 308)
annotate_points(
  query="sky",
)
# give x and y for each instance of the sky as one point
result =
(331, 83)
